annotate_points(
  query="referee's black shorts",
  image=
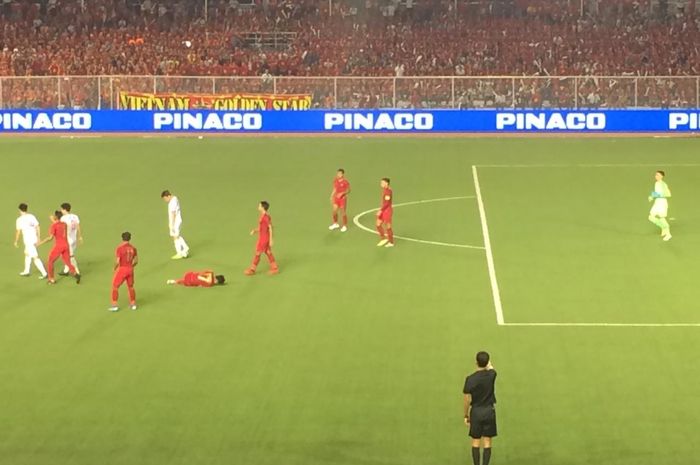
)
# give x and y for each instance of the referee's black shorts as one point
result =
(483, 423)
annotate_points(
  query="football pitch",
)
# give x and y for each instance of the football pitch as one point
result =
(537, 250)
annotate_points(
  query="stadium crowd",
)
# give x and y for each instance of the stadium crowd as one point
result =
(382, 38)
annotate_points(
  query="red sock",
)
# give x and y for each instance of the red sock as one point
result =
(380, 230)
(390, 233)
(256, 260)
(132, 296)
(115, 295)
(335, 218)
(345, 220)
(271, 259)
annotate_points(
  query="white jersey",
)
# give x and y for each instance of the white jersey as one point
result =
(174, 210)
(27, 223)
(72, 221)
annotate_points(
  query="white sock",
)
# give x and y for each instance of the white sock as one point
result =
(27, 264)
(183, 246)
(176, 243)
(74, 262)
(40, 266)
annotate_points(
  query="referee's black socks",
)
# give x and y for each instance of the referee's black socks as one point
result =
(487, 456)
(475, 455)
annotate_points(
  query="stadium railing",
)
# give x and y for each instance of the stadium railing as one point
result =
(567, 92)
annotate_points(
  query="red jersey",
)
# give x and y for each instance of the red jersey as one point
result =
(264, 227)
(192, 278)
(59, 231)
(126, 255)
(387, 199)
(341, 186)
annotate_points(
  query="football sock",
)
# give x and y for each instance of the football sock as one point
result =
(256, 260)
(380, 230)
(40, 266)
(115, 295)
(335, 218)
(50, 268)
(132, 296)
(663, 224)
(487, 456)
(271, 259)
(475, 455)
(390, 233)
(27, 264)
(345, 220)
(181, 246)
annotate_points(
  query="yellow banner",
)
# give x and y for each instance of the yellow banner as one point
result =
(224, 102)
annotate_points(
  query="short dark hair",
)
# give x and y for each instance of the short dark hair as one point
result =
(265, 204)
(662, 173)
(23, 207)
(482, 359)
(387, 180)
(220, 279)
(165, 193)
(65, 206)
(58, 214)
(126, 236)
(341, 170)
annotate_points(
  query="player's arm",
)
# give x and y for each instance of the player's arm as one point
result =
(48, 238)
(116, 260)
(467, 407)
(333, 193)
(171, 220)
(80, 233)
(269, 228)
(135, 261)
(207, 278)
(17, 233)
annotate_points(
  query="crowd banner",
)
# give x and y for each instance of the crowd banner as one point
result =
(352, 121)
(216, 102)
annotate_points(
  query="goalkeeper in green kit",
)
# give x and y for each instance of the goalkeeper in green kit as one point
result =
(659, 210)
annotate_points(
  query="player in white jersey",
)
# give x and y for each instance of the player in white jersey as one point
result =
(75, 234)
(659, 210)
(28, 226)
(175, 224)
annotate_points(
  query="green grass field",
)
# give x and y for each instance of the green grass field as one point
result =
(354, 354)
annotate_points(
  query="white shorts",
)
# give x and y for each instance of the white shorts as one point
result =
(659, 209)
(72, 246)
(30, 250)
(175, 230)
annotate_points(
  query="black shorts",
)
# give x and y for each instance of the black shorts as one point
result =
(483, 423)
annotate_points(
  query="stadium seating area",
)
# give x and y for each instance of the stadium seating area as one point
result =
(356, 38)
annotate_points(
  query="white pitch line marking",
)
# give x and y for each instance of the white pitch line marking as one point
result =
(489, 252)
(593, 165)
(615, 325)
(357, 217)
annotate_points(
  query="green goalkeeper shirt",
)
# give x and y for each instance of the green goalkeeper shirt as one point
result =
(661, 188)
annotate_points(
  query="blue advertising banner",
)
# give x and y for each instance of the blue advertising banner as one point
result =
(330, 121)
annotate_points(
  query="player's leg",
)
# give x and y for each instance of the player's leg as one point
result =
(487, 451)
(489, 431)
(389, 234)
(71, 249)
(274, 269)
(334, 225)
(254, 265)
(131, 290)
(476, 451)
(116, 283)
(380, 229)
(65, 256)
(53, 256)
(183, 247)
(344, 210)
(29, 253)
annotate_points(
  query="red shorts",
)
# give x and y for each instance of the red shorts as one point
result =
(340, 202)
(263, 245)
(385, 216)
(123, 274)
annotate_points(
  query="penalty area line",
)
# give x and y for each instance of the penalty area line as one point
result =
(498, 306)
(356, 221)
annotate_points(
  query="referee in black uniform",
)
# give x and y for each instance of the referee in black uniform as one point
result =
(480, 407)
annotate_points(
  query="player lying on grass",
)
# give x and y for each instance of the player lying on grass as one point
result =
(28, 227)
(264, 244)
(58, 232)
(205, 278)
(659, 210)
(339, 200)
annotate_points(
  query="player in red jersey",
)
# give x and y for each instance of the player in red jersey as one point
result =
(126, 258)
(385, 214)
(59, 233)
(205, 278)
(264, 244)
(339, 200)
